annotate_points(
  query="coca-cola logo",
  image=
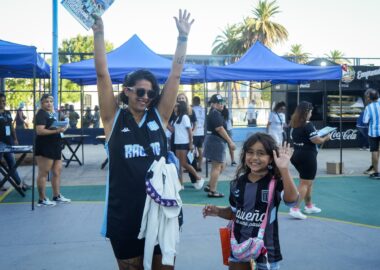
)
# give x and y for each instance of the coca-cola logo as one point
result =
(349, 134)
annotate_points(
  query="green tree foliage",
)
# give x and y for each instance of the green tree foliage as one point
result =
(18, 90)
(297, 55)
(71, 49)
(74, 50)
(229, 42)
(268, 32)
(337, 57)
(236, 39)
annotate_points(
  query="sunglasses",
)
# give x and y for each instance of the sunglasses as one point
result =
(140, 92)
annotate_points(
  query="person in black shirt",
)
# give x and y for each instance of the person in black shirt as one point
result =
(48, 152)
(215, 143)
(260, 161)
(305, 139)
(148, 113)
(8, 136)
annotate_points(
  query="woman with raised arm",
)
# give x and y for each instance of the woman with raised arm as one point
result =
(147, 115)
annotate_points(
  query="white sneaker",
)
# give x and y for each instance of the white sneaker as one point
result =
(45, 202)
(296, 213)
(61, 199)
(312, 210)
(199, 184)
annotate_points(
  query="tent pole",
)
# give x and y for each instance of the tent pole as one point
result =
(298, 94)
(205, 94)
(340, 130)
(55, 56)
(81, 117)
(34, 136)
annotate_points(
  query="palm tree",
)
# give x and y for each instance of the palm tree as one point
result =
(267, 31)
(229, 42)
(297, 55)
(337, 57)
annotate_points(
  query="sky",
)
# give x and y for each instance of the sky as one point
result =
(320, 26)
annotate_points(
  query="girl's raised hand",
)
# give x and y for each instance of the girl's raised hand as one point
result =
(282, 160)
(183, 23)
(210, 210)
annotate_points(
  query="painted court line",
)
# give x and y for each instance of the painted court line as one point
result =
(314, 217)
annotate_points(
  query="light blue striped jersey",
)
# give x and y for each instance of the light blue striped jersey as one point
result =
(372, 117)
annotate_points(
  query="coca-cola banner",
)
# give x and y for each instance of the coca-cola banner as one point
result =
(346, 135)
(349, 137)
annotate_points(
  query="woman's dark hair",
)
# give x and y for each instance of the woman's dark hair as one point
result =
(131, 79)
(279, 105)
(269, 145)
(181, 111)
(299, 116)
(45, 96)
(225, 113)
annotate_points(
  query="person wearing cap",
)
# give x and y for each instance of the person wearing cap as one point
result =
(215, 143)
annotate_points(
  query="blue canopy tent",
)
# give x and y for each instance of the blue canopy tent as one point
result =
(261, 64)
(21, 61)
(132, 55)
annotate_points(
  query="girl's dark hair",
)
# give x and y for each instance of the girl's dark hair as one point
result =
(45, 96)
(299, 116)
(181, 111)
(269, 145)
(279, 105)
(131, 79)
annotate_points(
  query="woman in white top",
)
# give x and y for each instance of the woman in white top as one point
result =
(277, 123)
(183, 141)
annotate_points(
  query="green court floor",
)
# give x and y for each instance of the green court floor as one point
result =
(352, 199)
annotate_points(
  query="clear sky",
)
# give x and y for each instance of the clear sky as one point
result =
(350, 26)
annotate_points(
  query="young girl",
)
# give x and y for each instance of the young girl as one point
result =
(260, 160)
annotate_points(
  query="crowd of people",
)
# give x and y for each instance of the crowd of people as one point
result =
(89, 119)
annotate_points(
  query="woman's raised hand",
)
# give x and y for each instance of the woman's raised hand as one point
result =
(282, 160)
(98, 26)
(183, 23)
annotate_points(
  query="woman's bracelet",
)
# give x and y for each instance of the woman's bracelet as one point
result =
(182, 38)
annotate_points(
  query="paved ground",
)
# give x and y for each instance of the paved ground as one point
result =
(67, 236)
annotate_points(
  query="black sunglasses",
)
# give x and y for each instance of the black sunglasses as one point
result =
(140, 92)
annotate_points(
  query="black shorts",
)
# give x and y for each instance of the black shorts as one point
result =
(182, 146)
(306, 163)
(128, 248)
(52, 151)
(374, 143)
(198, 141)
